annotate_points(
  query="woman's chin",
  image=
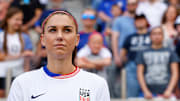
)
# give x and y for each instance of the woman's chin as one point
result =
(60, 55)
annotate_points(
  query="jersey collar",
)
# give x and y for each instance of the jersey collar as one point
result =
(60, 76)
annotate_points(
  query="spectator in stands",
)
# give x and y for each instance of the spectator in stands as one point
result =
(13, 43)
(116, 11)
(175, 3)
(121, 28)
(93, 57)
(104, 12)
(170, 32)
(89, 20)
(32, 10)
(157, 67)
(132, 45)
(153, 10)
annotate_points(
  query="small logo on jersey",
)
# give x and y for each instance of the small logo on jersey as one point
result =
(34, 97)
(84, 94)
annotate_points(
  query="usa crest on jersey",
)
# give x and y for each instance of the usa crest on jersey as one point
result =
(84, 94)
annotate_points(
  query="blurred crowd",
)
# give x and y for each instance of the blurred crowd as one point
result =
(141, 36)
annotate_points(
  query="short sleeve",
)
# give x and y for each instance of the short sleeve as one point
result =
(83, 52)
(139, 59)
(116, 25)
(126, 43)
(27, 42)
(15, 93)
(105, 53)
(174, 57)
(103, 92)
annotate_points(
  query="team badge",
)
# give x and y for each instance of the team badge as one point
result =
(84, 94)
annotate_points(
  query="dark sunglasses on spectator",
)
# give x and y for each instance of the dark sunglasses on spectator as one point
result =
(88, 16)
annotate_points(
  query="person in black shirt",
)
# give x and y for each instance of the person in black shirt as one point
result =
(32, 10)
(133, 44)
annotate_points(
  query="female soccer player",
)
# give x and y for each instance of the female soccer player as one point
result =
(60, 80)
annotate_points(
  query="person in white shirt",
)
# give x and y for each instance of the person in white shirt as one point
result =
(153, 10)
(169, 30)
(60, 80)
(15, 47)
(94, 57)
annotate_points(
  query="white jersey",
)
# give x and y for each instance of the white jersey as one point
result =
(77, 86)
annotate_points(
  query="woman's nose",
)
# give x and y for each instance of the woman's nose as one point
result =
(59, 36)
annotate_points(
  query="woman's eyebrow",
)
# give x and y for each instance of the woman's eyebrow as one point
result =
(68, 27)
(51, 27)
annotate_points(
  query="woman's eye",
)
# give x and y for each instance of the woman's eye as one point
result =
(52, 30)
(67, 30)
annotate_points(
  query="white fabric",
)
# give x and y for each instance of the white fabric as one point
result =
(177, 20)
(104, 53)
(86, 51)
(169, 39)
(14, 48)
(37, 82)
(13, 43)
(153, 12)
(15, 65)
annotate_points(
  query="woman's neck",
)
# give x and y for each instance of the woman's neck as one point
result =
(169, 23)
(88, 29)
(11, 31)
(60, 66)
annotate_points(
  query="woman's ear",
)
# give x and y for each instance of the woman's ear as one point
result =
(77, 39)
(42, 39)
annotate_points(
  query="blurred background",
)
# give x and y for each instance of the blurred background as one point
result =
(112, 34)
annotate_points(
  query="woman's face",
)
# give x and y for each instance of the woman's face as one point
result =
(16, 21)
(60, 37)
(171, 13)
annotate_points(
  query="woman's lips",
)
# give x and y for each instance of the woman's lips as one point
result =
(59, 45)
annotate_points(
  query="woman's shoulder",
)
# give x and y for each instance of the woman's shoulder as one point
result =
(28, 76)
